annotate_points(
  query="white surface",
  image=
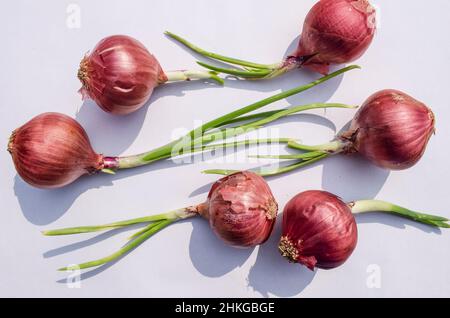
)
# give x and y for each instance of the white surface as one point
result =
(40, 56)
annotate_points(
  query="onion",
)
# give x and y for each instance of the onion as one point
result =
(240, 208)
(320, 231)
(392, 130)
(120, 75)
(334, 32)
(53, 150)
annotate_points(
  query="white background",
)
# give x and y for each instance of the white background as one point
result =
(40, 56)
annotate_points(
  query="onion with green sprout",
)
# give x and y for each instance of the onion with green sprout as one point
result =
(52, 150)
(335, 32)
(320, 231)
(120, 75)
(318, 228)
(240, 209)
(391, 129)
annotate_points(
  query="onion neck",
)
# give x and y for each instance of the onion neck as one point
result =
(186, 76)
(112, 164)
(334, 147)
(366, 206)
(292, 62)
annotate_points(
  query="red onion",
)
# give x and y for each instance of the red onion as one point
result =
(120, 75)
(241, 210)
(334, 32)
(391, 129)
(319, 229)
(52, 150)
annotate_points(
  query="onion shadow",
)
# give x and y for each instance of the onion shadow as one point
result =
(93, 240)
(109, 134)
(89, 242)
(395, 221)
(353, 177)
(43, 207)
(112, 134)
(210, 255)
(297, 118)
(273, 275)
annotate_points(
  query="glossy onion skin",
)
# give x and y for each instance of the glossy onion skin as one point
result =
(242, 210)
(336, 32)
(120, 74)
(52, 150)
(319, 230)
(392, 129)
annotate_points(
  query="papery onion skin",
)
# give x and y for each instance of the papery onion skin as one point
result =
(336, 32)
(319, 230)
(392, 129)
(120, 74)
(241, 209)
(52, 150)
